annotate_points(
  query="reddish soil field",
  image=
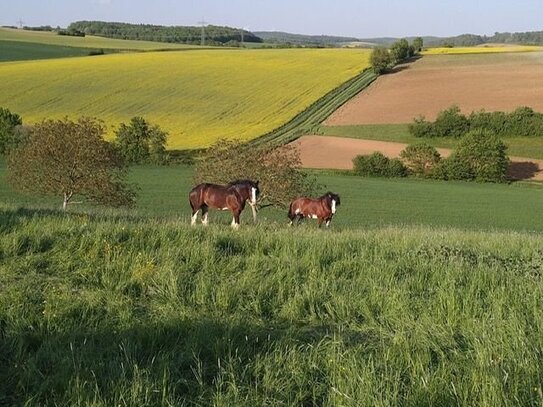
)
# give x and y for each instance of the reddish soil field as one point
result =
(435, 82)
(338, 153)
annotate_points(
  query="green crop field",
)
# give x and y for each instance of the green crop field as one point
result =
(89, 41)
(22, 51)
(366, 202)
(531, 147)
(196, 96)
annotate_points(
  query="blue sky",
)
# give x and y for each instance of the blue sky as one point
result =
(340, 17)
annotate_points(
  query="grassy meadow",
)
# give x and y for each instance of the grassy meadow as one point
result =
(25, 51)
(196, 96)
(102, 310)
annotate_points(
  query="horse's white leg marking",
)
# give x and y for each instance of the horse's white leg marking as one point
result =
(204, 219)
(234, 224)
(333, 206)
(327, 223)
(253, 196)
(297, 211)
(313, 216)
(193, 218)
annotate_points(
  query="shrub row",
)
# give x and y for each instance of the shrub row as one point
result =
(480, 156)
(522, 122)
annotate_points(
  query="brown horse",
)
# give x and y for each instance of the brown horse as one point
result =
(228, 197)
(322, 209)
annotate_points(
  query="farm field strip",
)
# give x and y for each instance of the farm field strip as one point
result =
(197, 97)
(89, 41)
(330, 152)
(435, 82)
(491, 49)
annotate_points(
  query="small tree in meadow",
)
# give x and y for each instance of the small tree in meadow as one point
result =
(140, 142)
(380, 60)
(418, 43)
(484, 154)
(69, 159)
(399, 50)
(10, 132)
(420, 158)
(278, 169)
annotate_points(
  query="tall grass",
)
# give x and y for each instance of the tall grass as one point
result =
(101, 310)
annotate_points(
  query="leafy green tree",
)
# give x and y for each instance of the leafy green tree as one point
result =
(380, 60)
(9, 131)
(418, 44)
(139, 142)
(399, 50)
(420, 158)
(484, 154)
(70, 159)
(278, 170)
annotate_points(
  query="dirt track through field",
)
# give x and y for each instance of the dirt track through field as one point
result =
(435, 82)
(338, 153)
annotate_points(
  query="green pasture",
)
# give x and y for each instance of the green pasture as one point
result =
(23, 51)
(89, 41)
(531, 147)
(366, 202)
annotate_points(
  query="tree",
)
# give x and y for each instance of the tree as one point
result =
(399, 50)
(139, 142)
(418, 43)
(484, 154)
(420, 158)
(378, 165)
(380, 60)
(276, 168)
(10, 134)
(69, 158)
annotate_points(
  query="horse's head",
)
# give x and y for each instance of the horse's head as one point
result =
(249, 188)
(334, 200)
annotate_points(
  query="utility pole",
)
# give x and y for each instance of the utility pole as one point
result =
(203, 24)
(20, 22)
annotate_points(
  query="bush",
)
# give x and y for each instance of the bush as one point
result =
(451, 123)
(377, 165)
(522, 122)
(420, 159)
(480, 156)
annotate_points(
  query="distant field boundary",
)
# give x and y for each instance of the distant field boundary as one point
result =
(309, 119)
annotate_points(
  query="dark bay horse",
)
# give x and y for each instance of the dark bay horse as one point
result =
(322, 209)
(223, 197)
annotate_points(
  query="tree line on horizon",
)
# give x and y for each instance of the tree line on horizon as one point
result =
(214, 35)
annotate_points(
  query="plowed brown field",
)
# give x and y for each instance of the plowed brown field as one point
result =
(435, 82)
(338, 153)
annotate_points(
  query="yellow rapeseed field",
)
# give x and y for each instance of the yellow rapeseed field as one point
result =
(484, 49)
(197, 96)
(89, 41)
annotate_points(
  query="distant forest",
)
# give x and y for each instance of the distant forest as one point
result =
(214, 35)
(525, 38)
(278, 37)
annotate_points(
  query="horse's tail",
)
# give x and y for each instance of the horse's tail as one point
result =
(291, 215)
(195, 196)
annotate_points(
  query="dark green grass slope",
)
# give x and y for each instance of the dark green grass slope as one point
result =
(99, 310)
(23, 51)
(366, 202)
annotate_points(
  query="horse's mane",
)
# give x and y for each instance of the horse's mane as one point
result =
(241, 181)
